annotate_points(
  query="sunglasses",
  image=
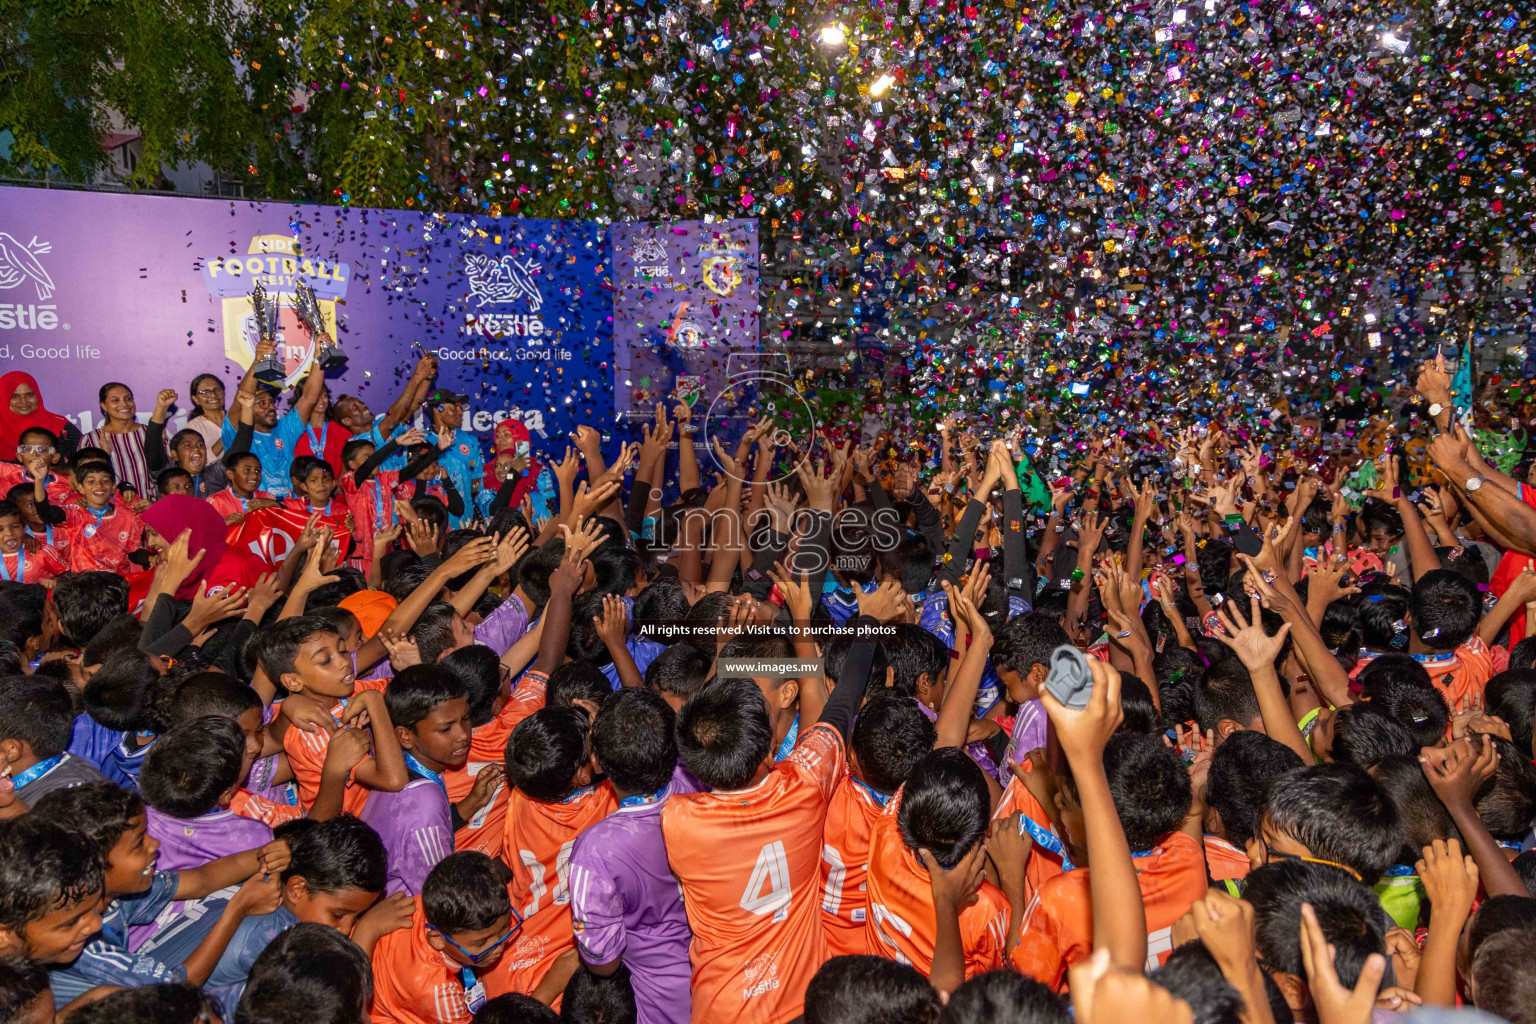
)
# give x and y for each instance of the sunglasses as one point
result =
(476, 958)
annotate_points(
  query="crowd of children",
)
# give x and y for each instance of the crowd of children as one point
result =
(1198, 732)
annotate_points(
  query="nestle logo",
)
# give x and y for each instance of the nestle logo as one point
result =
(25, 316)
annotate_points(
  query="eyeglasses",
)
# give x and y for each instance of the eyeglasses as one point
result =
(34, 449)
(476, 958)
(208, 392)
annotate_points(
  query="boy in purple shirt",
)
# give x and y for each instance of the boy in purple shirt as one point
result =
(429, 707)
(625, 903)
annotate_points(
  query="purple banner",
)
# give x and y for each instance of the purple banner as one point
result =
(152, 291)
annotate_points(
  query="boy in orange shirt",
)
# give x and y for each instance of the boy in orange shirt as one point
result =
(889, 737)
(748, 854)
(1444, 612)
(303, 654)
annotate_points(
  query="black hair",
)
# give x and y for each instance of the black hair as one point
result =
(945, 806)
(206, 693)
(325, 598)
(22, 607)
(403, 578)
(1511, 695)
(190, 767)
(662, 601)
(167, 1003)
(87, 454)
(1241, 771)
(465, 893)
(1501, 981)
(45, 865)
(479, 669)
(1507, 804)
(1363, 734)
(1446, 607)
(21, 982)
(87, 601)
(577, 680)
(429, 508)
(230, 460)
(1382, 616)
(165, 476)
(1525, 867)
(515, 1008)
(8, 510)
(583, 642)
(52, 438)
(534, 568)
(834, 656)
(335, 855)
(912, 653)
(185, 434)
(869, 990)
(1317, 517)
(37, 711)
(1149, 785)
(1425, 818)
(1027, 640)
(1377, 514)
(890, 735)
(1192, 974)
(418, 691)
(1497, 914)
(353, 446)
(100, 811)
(1180, 675)
(1348, 912)
(597, 999)
(1421, 710)
(120, 633)
(1339, 813)
(614, 567)
(303, 465)
(634, 740)
(1138, 707)
(1391, 669)
(278, 645)
(546, 750)
(1523, 654)
(453, 540)
(122, 692)
(433, 631)
(1227, 693)
(682, 669)
(85, 469)
(1004, 997)
(309, 974)
(723, 733)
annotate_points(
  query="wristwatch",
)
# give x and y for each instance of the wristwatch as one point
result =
(1473, 484)
(1436, 409)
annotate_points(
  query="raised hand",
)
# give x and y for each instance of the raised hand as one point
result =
(885, 603)
(566, 468)
(509, 550)
(613, 624)
(795, 591)
(1457, 771)
(1335, 1003)
(402, 649)
(423, 538)
(471, 556)
(1246, 637)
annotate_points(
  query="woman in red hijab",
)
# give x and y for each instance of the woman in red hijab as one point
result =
(221, 567)
(513, 462)
(21, 407)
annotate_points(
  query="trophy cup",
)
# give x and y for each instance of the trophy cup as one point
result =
(269, 371)
(306, 304)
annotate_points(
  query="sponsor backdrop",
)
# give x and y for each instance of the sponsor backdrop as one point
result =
(521, 313)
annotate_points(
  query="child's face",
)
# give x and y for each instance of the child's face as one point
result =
(1022, 687)
(11, 532)
(246, 476)
(28, 508)
(191, 454)
(339, 910)
(97, 488)
(317, 486)
(179, 485)
(131, 864)
(321, 668)
(492, 940)
(362, 455)
(1382, 540)
(60, 934)
(443, 736)
(255, 738)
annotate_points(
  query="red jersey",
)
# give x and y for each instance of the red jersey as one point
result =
(326, 441)
(1460, 673)
(59, 491)
(750, 862)
(306, 756)
(851, 815)
(33, 566)
(902, 925)
(102, 542)
(372, 504)
(1510, 566)
(537, 846)
(228, 503)
(1058, 923)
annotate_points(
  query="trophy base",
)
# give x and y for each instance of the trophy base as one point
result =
(332, 359)
(270, 372)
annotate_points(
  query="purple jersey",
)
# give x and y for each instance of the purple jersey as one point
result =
(416, 827)
(191, 843)
(626, 902)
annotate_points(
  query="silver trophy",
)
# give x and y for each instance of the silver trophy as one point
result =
(307, 305)
(269, 371)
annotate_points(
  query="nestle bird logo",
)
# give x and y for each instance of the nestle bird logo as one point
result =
(505, 280)
(19, 262)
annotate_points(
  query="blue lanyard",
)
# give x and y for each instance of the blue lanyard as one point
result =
(379, 505)
(1046, 840)
(245, 503)
(317, 446)
(47, 533)
(641, 801)
(310, 508)
(583, 791)
(21, 567)
(425, 772)
(101, 515)
(37, 771)
(878, 797)
(789, 741)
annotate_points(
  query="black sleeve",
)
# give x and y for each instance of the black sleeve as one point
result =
(242, 442)
(819, 541)
(154, 446)
(412, 469)
(1013, 544)
(372, 463)
(455, 501)
(227, 646)
(844, 702)
(50, 513)
(163, 633)
(964, 540)
(877, 494)
(455, 817)
(928, 520)
(504, 493)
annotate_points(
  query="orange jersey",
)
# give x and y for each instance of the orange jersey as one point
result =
(851, 816)
(1058, 924)
(902, 925)
(487, 745)
(414, 983)
(750, 866)
(537, 846)
(1224, 861)
(306, 756)
(1042, 864)
(1460, 673)
(259, 808)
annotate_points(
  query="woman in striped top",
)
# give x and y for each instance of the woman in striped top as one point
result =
(122, 437)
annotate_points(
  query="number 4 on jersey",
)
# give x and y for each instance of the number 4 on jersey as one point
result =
(768, 888)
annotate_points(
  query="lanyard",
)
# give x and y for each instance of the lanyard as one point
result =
(310, 508)
(90, 531)
(789, 740)
(1046, 840)
(379, 505)
(641, 801)
(317, 445)
(21, 567)
(47, 533)
(425, 772)
(37, 771)
(879, 798)
(578, 794)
